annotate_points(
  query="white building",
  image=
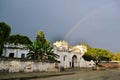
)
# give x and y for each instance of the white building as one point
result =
(71, 56)
(15, 51)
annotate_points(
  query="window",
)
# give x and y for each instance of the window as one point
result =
(89, 64)
(64, 58)
(22, 55)
(11, 55)
(70, 64)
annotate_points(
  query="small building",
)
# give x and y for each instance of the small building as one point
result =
(15, 51)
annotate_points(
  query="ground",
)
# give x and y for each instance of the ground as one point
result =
(111, 74)
(84, 74)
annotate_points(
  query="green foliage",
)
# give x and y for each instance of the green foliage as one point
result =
(97, 55)
(19, 39)
(5, 30)
(41, 49)
(116, 56)
(34, 50)
(41, 34)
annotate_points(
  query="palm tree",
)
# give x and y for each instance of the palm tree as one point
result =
(51, 56)
(41, 49)
(34, 50)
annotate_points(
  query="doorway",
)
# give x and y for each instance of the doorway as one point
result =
(74, 61)
(11, 55)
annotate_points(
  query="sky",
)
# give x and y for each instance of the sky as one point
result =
(95, 22)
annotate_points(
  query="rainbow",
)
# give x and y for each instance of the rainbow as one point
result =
(92, 13)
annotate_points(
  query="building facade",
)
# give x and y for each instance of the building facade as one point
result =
(15, 51)
(71, 56)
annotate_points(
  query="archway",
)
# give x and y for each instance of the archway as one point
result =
(74, 61)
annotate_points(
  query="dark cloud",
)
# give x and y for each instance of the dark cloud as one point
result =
(97, 20)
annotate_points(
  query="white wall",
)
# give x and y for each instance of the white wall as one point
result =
(63, 53)
(68, 58)
(26, 66)
(17, 52)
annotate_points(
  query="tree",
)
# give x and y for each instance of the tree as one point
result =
(41, 49)
(5, 30)
(33, 50)
(19, 39)
(97, 55)
(51, 56)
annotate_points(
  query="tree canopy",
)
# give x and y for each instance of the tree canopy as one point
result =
(19, 39)
(5, 30)
(116, 56)
(97, 55)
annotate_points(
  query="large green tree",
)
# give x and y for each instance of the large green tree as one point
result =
(97, 55)
(5, 30)
(41, 49)
(19, 39)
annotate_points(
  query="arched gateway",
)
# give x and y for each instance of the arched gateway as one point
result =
(74, 61)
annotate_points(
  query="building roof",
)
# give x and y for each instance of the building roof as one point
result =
(15, 46)
(63, 46)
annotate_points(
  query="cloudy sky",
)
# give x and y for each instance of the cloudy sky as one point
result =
(96, 22)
